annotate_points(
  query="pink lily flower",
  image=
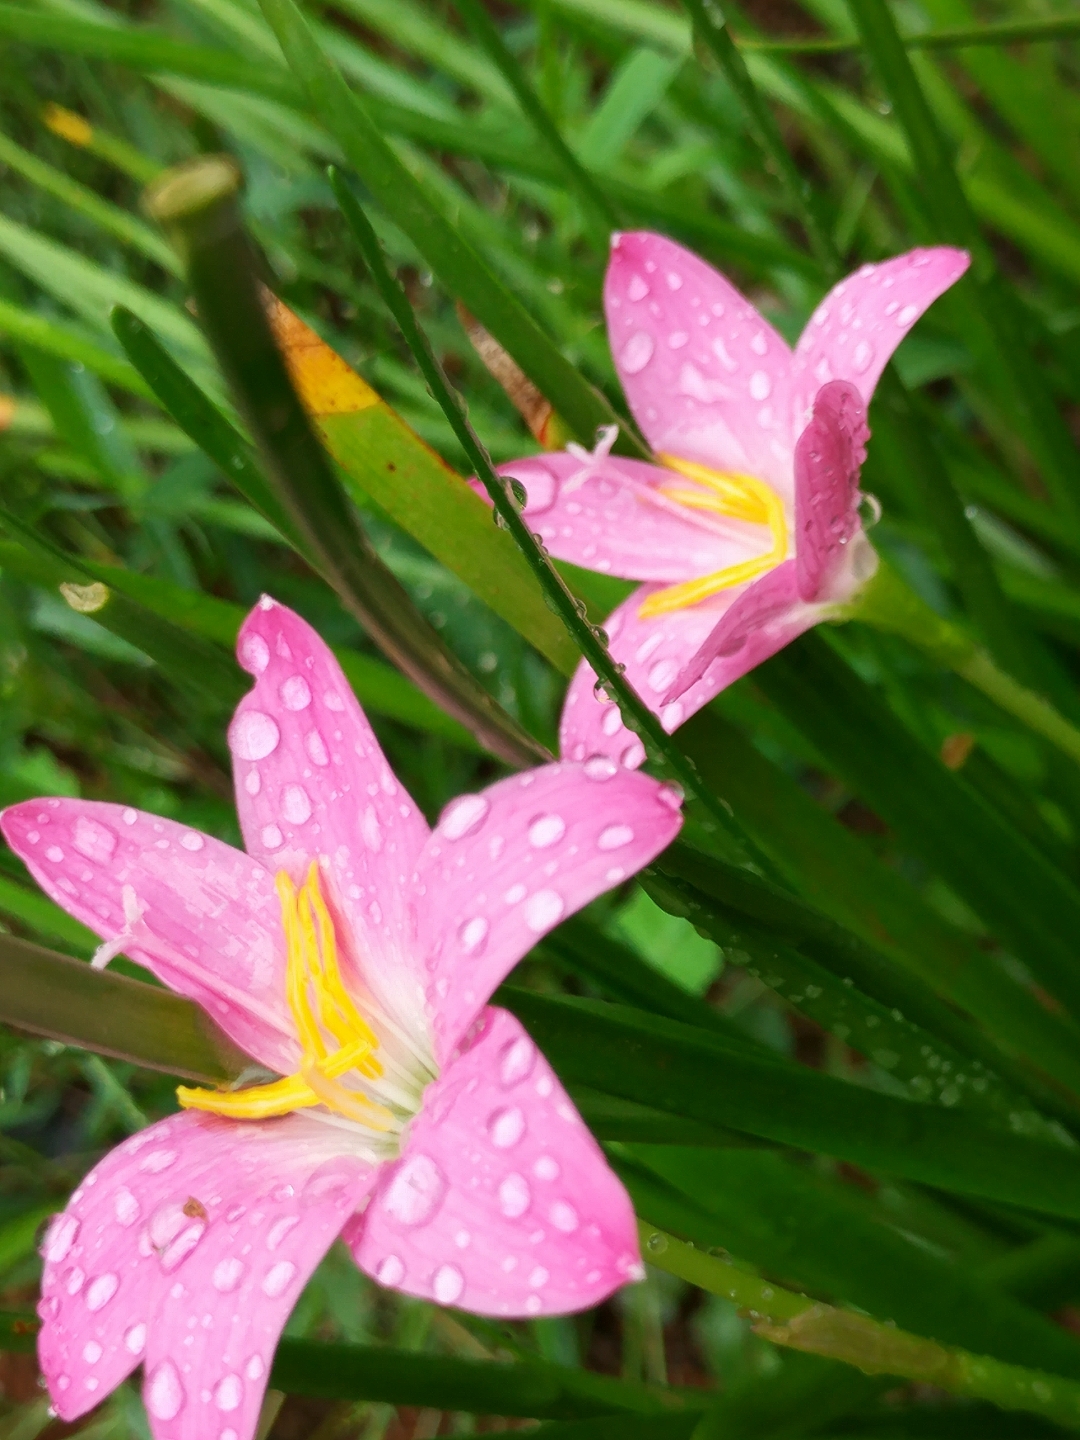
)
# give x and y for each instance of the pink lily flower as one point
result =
(350, 952)
(747, 531)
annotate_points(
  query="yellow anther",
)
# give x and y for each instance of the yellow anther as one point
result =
(322, 1007)
(736, 497)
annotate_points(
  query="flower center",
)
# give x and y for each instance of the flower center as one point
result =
(335, 1039)
(736, 497)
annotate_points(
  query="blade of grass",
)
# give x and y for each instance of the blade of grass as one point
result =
(197, 204)
(458, 266)
(55, 338)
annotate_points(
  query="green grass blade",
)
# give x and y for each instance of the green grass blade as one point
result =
(52, 337)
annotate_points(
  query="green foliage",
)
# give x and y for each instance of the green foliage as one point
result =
(852, 1098)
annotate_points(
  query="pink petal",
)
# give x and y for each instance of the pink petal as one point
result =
(206, 919)
(312, 781)
(505, 866)
(862, 320)
(828, 456)
(100, 1268)
(502, 1203)
(654, 651)
(607, 514)
(705, 375)
(764, 617)
(276, 1197)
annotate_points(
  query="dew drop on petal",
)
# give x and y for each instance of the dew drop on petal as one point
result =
(253, 735)
(277, 1278)
(254, 654)
(543, 910)
(182, 1246)
(547, 1168)
(229, 1393)
(506, 1127)
(633, 755)
(514, 1196)
(93, 840)
(463, 816)
(662, 674)
(907, 315)
(416, 1191)
(163, 1392)
(447, 1284)
(280, 1228)
(564, 1217)
(546, 830)
(390, 1271)
(614, 837)
(60, 1238)
(517, 1060)
(611, 721)
(101, 1290)
(92, 1352)
(295, 693)
(272, 837)
(135, 1339)
(472, 934)
(637, 352)
(295, 804)
(600, 767)
(514, 894)
(255, 1368)
(760, 385)
(315, 746)
(192, 840)
(55, 854)
(227, 1274)
(863, 355)
(253, 781)
(538, 1278)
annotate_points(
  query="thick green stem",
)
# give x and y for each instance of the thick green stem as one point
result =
(803, 1324)
(197, 204)
(888, 603)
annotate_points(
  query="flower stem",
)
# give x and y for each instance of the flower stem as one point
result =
(800, 1323)
(888, 603)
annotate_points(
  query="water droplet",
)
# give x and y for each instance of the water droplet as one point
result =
(677, 339)
(229, 1393)
(869, 510)
(333, 701)
(515, 1196)
(390, 1271)
(253, 735)
(614, 837)
(662, 674)
(280, 1228)
(192, 840)
(538, 1278)
(637, 289)
(55, 854)
(600, 767)
(760, 385)
(272, 837)
(758, 343)
(637, 352)
(295, 804)
(633, 755)
(60, 1238)
(416, 1191)
(253, 781)
(514, 894)
(101, 1290)
(908, 314)
(315, 746)
(547, 1168)
(254, 654)
(93, 840)
(472, 934)
(519, 492)
(447, 1284)
(227, 1275)
(295, 693)
(863, 355)
(92, 1352)
(517, 1060)
(564, 1217)
(277, 1278)
(657, 1243)
(255, 1368)
(135, 1339)
(182, 1246)
(506, 1127)
(543, 910)
(163, 1392)
(463, 816)
(546, 830)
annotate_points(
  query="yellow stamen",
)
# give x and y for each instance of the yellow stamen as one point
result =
(737, 497)
(321, 1006)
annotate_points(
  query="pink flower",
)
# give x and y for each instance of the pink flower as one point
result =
(350, 951)
(748, 531)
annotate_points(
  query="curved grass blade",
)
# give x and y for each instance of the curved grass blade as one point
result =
(197, 204)
(52, 337)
